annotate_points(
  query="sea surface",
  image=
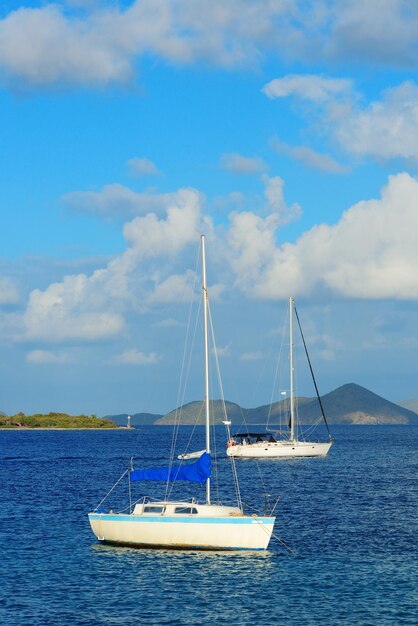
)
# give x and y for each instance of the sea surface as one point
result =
(344, 550)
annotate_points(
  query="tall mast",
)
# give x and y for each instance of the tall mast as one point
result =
(292, 399)
(205, 320)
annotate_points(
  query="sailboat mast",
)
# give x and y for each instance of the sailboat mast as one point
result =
(292, 399)
(205, 321)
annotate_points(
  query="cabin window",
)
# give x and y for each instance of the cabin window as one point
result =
(154, 509)
(185, 510)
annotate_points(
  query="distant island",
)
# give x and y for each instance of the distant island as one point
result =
(54, 420)
(348, 404)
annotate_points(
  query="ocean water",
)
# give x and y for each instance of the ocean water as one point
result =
(350, 521)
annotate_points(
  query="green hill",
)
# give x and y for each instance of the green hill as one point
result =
(54, 420)
(353, 404)
(349, 404)
(193, 413)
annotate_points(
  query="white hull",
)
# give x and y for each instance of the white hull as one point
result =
(279, 449)
(214, 528)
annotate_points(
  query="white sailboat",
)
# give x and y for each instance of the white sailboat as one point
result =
(177, 524)
(267, 445)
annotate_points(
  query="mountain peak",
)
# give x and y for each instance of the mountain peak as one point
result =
(353, 404)
(349, 404)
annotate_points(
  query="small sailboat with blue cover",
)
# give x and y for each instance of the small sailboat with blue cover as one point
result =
(184, 524)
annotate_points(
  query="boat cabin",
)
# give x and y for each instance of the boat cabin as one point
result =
(250, 438)
(182, 509)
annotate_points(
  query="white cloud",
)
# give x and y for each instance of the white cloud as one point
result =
(134, 357)
(317, 161)
(251, 238)
(42, 46)
(380, 32)
(308, 87)
(274, 192)
(151, 237)
(179, 288)
(93, 307)
(67, 311)
(216, 291)
(117, 200)
(238, 164)
(326, 355)
(167, 323)
(251, 244)
(310, 158)
(224, 351)
(384, 129)
(41, 357)
(176, 288)
(96, 43)
(142, 167)
(370, 253)
(8, 291)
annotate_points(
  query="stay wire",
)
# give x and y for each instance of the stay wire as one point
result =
(110, 490)
(312, 374)
(171, 486)
(218, 371)
(183, 377)
(281, 541)
(276, 376)
(257, 464)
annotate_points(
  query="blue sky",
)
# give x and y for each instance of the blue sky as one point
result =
(287, 131)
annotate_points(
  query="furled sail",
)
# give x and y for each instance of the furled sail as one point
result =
(195, 472)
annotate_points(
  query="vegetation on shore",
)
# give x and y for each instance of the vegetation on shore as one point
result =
(348, 404)
(54, 420)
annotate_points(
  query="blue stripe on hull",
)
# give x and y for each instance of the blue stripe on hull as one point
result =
(183, 520)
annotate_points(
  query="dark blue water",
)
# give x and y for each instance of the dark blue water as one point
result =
(350, 518)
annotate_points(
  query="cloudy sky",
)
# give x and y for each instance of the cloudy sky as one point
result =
(286, 130)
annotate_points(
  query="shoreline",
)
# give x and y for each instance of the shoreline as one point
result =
(60, 428)
(135, 428)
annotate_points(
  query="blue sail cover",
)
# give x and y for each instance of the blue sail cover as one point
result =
(196, 472)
